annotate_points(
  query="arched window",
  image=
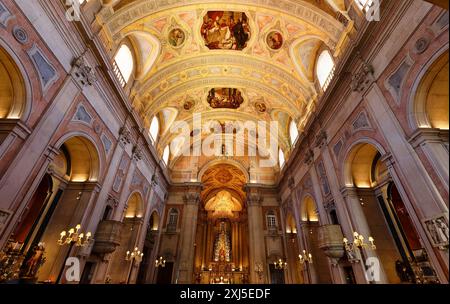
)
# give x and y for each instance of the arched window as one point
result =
(293, 132)
(325, 69)
(172, 221)
(166, 155)
(124, 64)
(281, 158)
(154, 129)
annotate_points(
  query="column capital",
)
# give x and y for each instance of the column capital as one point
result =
(192, 193)
(426, 135)
(349, 192)
(254, 195)
(388, 160)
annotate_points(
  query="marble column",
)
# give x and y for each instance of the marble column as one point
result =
(406, 164)
(256, 235)
(186, 250)
(361, 226)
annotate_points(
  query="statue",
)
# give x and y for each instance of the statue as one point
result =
(32, 265)
(438, 231)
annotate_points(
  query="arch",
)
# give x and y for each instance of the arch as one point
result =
(84, 157)
(325, 69)
(430, 101)
(291, 226)
(14, 88)
(148, 47)
(364, 172)
(154, 221)
(216, 162)
(302, 59)
(293, 132)
(167, 118)
(135, 207)
(308, 210)
(281, 158)
(124, 61)
(154, 129)
(166, 155)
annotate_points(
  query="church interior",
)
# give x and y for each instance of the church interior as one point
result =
(224, 142)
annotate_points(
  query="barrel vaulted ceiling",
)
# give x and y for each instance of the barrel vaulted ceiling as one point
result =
(274, 70)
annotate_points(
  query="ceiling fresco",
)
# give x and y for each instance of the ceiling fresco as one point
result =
(236, 59)
(226, 30)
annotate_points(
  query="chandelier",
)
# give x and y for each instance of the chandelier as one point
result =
(305, 258)
(280, 264)
(161, 262)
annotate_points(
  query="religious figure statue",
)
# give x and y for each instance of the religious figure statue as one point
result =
(36, 260)
(222, 246)
(439, 231)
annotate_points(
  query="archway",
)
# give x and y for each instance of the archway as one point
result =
(221, 255)
(379, 209)
(148, 259)
(120, 269)
(431, 109)
(295, 272)
(58, 203)
(318, 271)
(12, 88)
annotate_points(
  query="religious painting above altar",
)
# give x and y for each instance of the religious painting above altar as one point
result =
(225, 30)
(225, 98)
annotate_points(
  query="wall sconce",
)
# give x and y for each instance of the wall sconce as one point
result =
(136, 255)
(72, 238)
(305, 258)
(358, 243)
(161, 262)
(280, 264)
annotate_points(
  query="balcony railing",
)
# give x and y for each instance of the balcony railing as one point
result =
(119, 75)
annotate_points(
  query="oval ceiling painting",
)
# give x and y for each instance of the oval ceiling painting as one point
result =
(225, 30)
(176, 37)
(275, 40)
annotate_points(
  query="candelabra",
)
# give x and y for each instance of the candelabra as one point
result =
(133, 257)
(280, 264)
(359, 242)
(136, 255)
(72, 238)
(305, 258)
(161, 262)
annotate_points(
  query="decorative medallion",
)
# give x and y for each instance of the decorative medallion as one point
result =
(275, 40)
(225, 30)
(260, 107)
(225, 98)
(224, 176)
(20, 34)
(177, 37)
(421, 45)
(188, 105)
